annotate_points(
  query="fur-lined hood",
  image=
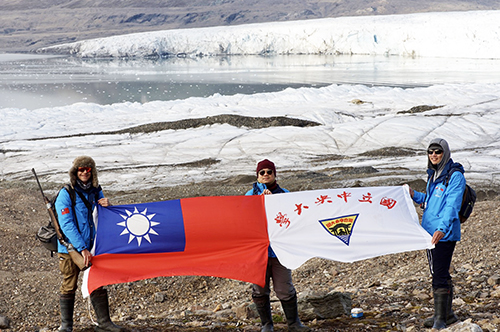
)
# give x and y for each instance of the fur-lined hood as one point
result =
(83, 161)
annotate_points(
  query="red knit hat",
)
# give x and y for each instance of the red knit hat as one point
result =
(266, 163)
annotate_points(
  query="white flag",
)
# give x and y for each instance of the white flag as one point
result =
(344, 225)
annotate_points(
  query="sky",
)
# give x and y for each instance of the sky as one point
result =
(468, 115)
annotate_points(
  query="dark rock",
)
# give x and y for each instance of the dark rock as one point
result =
(420, 109)
(231, 119)
(4, 322)
(356, 170)
(391, 151)
(324, 306)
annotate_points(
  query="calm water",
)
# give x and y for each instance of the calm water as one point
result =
(28, 81)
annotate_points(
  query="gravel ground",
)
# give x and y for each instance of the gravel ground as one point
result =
(393, 290)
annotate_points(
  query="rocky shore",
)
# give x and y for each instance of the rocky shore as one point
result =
(394, 290)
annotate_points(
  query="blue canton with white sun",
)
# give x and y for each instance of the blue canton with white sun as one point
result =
(155, 227)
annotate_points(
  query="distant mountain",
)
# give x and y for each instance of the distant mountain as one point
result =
(26, 25)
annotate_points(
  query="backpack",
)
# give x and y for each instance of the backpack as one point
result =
(47, 234)
(468, 199)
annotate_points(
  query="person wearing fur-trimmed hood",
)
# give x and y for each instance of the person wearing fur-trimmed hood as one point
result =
(441, 203)
(77, 224)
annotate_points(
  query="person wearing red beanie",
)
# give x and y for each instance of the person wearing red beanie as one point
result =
(282, 277)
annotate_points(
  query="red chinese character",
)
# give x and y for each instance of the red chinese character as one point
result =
(366, 198)
(282, 219)
(323, 199)
(389, 202)
(344, 196)
(299, 208)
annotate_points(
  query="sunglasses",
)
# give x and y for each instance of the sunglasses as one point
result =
(269, 172)
(437, 151)
(85, 169)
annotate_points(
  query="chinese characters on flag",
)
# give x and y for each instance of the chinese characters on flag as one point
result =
(343, 224)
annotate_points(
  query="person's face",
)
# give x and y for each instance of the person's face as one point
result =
(84, 174)
(266, 176)
(435, 155)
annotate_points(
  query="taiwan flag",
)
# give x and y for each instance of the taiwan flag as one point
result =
(208, 236)
(228, 236)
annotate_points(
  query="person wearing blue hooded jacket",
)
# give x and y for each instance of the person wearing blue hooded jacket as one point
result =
(77, 225)
(282, 277)
(441, 204)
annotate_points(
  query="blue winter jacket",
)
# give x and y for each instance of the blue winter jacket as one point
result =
(257, 189)
(81, 236)
(442, 203)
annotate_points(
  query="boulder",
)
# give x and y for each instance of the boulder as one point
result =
(323, 306)
(4, 322)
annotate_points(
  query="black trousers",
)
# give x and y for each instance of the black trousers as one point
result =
(439, 262)
(282, 281)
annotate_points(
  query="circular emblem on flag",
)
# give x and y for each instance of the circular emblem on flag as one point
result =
(138, 225)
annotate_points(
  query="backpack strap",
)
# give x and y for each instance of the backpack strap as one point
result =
(448, 177)
(85, 201)
(72, 196)
(71, 193)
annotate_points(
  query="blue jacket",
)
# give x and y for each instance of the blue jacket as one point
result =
(442, 203)
(81, 236)
(257, 189)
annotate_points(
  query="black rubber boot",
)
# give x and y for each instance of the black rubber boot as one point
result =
(67, 305)
(99, 299)
(429, 322)
(263, 305)
(440, 308)
(292, 315)
(451, 317)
